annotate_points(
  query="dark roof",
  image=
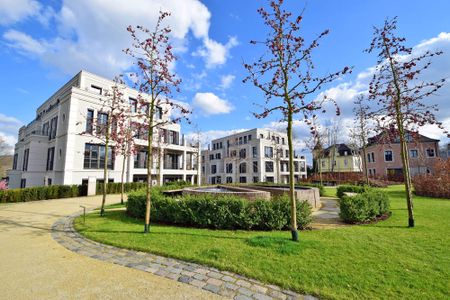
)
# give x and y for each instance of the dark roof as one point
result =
(341, 149)
(391, 137)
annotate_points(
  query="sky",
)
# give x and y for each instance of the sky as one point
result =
(45, 43)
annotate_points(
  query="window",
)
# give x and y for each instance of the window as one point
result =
(45, 128)
(370, 172)
(255, 167)
(282, 141)
(144, 108)
(26, 154)
(254, 152)
(323, 164)
(243, 168)
(211, 156)
(229, 179)
(133, 104)
(96, 89)
(174, 137)
(49, 181)
(229, 168)
(269, 166)
(430, 152)
(50, 158)
(388, 155)
(261, 136)
(102, 122)
(373, 157)
(413, 153)
(287, 153)
(245, 139)
(240, 140)
(53, 128)
(14, 166)
(213, 169)
(233, 153)
(23, 183)
(368, 157)
(140, 159)
(90, 121)
(269, 179)
(249, 137)
(255, 179)
(268, 151)
(94, 157)
(242, 153)
(218, 156)
(243, 179)
(346, 162)
(295, 166)
(278, 139)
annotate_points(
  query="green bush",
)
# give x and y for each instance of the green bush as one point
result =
(39, 193)
(351, 189)
(364, 206)
(218, 212)
(115, 187)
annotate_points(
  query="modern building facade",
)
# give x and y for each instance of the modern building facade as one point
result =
(337, 158)
(55, 149)
(257, 155)
(384, 160)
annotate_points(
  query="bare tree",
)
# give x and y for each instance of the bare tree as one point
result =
(285, 73)
(399, 94)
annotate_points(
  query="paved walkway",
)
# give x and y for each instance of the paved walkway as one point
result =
(327, 217)
(218, 282)
(34, 266)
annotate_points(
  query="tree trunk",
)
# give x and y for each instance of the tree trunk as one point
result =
(366, 172)
(294, 230)
(148, 203)
(199, 165)
(122, 178)
(105, 169)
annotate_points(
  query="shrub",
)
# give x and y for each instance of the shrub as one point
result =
(364, 206)
(115, 187)
(436, 184)
(39, 193)
(219, 212)
(350, 189)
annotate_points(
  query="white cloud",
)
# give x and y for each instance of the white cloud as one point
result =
(210, 104)
(215, 53)
(92, 33)
(23, 42)
(9, 128)
(13, 11)
(226, 81)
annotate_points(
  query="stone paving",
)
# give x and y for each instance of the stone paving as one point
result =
(223, 283)
(328, 215)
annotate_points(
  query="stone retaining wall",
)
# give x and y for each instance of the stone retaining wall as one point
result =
(310, 194)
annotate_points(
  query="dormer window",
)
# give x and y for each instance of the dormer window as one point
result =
(96, 89)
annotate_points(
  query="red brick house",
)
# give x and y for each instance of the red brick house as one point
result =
(384, 160)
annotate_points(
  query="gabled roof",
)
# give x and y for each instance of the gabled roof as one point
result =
(391, 136)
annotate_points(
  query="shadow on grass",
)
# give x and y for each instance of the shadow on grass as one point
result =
(280, 244)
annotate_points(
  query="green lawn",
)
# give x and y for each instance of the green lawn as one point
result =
(330, 191)
(384, 260)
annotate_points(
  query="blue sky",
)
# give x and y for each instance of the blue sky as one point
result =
(44, 43)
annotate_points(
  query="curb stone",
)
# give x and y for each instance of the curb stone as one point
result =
(222, 283)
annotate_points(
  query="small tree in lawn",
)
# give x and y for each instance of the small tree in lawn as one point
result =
(360, 131)
(400, 96)
(285, 73)
(153, 56)
(104, 128)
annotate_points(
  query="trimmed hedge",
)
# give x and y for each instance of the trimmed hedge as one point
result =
(364, 207)
(219, 212)
(40, 193)
(115, 187)
(351, 189)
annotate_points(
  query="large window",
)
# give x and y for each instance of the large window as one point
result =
(26, 155)
(254, 152)
(133, 104)
(243, 179)
(45, 129)
(269, 166)
(255, 167)
(229, 179)
(388, 155)
(371, 157)
(242, 153)
(50, 158)
(158, 113)
(14, 166)
(102, 122)
(140, 159)
(90, 121)
(94, 157)
(243, 168)
(53, 128)
(229, 168)
(413, 153)
(213, 169)
(268, 151)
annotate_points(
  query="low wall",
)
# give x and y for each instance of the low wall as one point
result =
(310, 194)
(247, 193)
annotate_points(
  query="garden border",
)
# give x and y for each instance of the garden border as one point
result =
(223, 283)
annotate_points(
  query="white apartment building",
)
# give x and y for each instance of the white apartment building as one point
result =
(257, 155)
(52, 149)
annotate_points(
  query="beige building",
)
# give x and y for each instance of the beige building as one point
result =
(337, 158)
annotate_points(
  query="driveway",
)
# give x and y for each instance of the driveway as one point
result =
(34, 266)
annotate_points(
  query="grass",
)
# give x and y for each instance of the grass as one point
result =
(114, 205)
(330, 191)
(386, 260)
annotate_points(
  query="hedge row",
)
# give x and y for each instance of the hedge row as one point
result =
(40, 193)
(365, 206)
(351, 189)
(219, 212)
